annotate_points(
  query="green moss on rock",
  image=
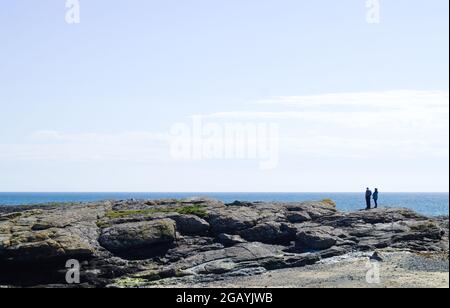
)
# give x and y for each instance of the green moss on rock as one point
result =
(130, 282)
(423, 227)
(186, 210)
(329, 202)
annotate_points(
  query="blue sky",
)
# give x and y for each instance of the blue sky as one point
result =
(87, 107)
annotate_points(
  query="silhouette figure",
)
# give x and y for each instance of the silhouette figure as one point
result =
(368, 198)
(375, 197)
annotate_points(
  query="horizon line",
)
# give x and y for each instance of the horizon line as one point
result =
(209, 192)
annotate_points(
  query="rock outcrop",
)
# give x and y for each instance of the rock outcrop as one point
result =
(145, 236)
(119, 243)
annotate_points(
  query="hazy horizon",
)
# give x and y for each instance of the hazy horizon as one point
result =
(220, 192)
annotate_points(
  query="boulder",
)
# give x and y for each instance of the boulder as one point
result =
(298, 217)
(231, 220)
(316, 238)
(38, 236)
(46, 245)
(190, 224)
(138, 235)
(315, 210)
(419, 231)
(270, 233)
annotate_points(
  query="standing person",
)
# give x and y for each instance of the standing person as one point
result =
(368, 198)
(375, 197)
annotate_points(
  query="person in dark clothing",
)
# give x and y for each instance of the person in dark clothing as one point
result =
(375, 197)
(368, 199)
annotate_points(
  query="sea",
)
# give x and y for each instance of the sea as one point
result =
(430, 204)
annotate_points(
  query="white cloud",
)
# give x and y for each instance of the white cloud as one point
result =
(83, 147)
(356, 147)
(397, 109)
(396, 123)
(55, 136)
(399, 99)
(388, 124)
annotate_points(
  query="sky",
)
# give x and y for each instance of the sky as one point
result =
(343, 101)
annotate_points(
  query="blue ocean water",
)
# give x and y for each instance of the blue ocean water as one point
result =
(431, 204)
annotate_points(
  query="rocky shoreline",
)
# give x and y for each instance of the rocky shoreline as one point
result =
(203, 242)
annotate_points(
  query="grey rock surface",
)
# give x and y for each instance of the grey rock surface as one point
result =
(161, 242)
